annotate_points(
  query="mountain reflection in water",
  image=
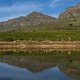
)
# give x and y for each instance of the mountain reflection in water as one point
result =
(52, 66)
(15, 73)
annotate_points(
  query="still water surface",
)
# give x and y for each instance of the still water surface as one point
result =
(8, 72)
(40, 67)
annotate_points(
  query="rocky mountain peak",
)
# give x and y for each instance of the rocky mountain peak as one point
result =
(78, 5)
(38, 15)
(71, 12)
(35, 13)
(32, 19)
(39, 18)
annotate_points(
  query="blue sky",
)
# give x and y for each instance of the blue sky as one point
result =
(14, 8)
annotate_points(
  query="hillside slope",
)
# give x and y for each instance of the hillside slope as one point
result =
(71, 13)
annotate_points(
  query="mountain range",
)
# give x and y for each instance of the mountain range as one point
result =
(67, 20)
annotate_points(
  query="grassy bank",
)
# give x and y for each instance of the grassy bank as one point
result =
(41, 36)
(41, 53)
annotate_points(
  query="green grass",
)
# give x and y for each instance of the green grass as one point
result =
(54, 53)
(46, 35)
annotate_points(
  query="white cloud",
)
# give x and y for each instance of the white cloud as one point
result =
(21, 7)
(55, 3)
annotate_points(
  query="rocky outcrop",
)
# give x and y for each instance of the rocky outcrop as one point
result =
(39, 18)
(71, 13)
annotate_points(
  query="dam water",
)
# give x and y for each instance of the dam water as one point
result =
(40, 65)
